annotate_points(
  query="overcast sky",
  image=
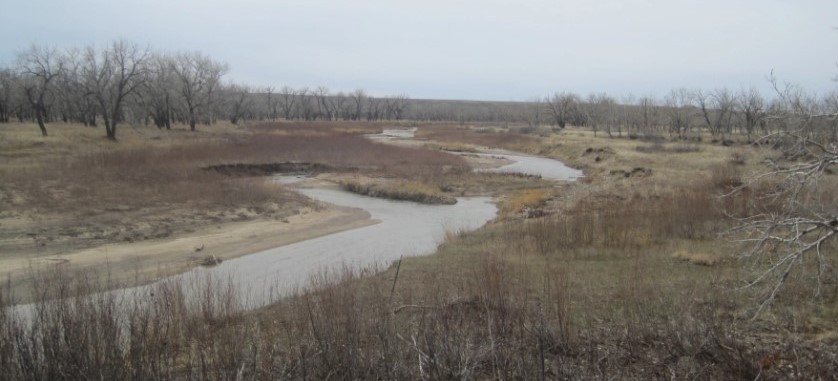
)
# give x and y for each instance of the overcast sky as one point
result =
(462, 49)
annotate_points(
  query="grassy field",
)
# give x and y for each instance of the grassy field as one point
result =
(627, 274)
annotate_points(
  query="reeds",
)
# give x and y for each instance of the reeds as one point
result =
(398, 190)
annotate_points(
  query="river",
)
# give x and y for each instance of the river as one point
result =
(403, 229)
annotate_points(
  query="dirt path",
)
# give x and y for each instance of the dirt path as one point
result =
(142, 262)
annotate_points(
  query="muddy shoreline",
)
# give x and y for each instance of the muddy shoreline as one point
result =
(128, 264)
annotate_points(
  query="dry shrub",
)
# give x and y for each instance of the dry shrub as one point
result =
(738, 158)
(399, 190)
(453, 147)
(726, 176)
(524, 200)
(493, 319)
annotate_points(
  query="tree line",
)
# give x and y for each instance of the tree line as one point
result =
(123, 82)
(682, 112)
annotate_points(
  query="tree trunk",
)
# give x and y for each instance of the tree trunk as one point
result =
(110, 127)
(40, 117)
(168, 114)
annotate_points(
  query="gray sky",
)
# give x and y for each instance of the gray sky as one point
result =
(462, 49)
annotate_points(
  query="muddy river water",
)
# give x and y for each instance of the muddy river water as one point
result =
(403, 229)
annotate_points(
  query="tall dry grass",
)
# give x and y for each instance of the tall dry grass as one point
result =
(398, 190)
(589, 293)
(497, 316)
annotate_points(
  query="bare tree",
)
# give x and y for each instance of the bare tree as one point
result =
(192, 71)
(272, 102)
(374, 108)
(111, 76)
(214, 71)
(563, 106)
(717, 110)
(601, 112)
(321, 95)
(288, 100)
(340, 106)
(39, 67)
(159, 91)
(240, 99)
(78, 103)
(358, 98)
(679, 111)
(8, 91)
(305, 109)
(790, 225)
(399, 104)
(648, 114)
(751, 107)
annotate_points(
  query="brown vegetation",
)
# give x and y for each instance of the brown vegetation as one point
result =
(591, 290)
(398, 190)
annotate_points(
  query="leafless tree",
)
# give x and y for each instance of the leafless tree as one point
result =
(272, 103)
(111, 76)
(374, 108)
(305, 108)
(601, 112)
(9, 83)
(717, 109)
(240, 101)
(39, 67)
(288, 100)
(750, 106)
(321, 95)
(398, 106)
(679, 111)
(358, 98)
(193, 71)
(649, 114)
(160, 91)
(563, 107)
(790, 225)
(340, 106)
(214, 72)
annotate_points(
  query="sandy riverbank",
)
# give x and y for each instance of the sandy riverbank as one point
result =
(141, 262)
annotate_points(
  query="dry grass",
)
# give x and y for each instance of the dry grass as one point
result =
(453, 147)
(525, 201)
(489, 305)
(590, 292)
